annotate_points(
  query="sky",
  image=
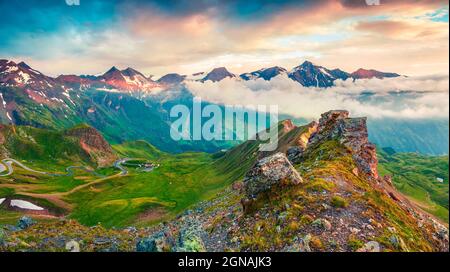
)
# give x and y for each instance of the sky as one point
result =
(410, 37)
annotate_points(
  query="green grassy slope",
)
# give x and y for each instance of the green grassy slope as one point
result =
(45, 146)
(147, 197)
(416, 176)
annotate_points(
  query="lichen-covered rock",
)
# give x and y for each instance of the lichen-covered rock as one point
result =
(72, 246)
(269, 171)
(189, 240)
(294, 153)
(154, 243)
(25, 222)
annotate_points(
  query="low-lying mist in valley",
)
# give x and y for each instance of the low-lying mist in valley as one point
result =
(400, 98)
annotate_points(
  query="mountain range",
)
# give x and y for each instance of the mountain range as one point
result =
(131, 80)
(126, 105)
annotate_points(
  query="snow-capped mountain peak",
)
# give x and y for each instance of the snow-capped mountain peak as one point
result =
(265, 73)
(311, 75)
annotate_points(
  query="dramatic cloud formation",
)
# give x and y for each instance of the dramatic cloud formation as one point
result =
(404, 97)
(158, 37)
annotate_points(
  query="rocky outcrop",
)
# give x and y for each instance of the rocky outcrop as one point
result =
(156, 242)
(25, 222)
(269, 171)
(287, 125)
(304, 137)
(352, 133)
(295, 152)
(93, 143)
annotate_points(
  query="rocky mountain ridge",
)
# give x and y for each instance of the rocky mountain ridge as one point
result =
(131, 80)
(328, 198)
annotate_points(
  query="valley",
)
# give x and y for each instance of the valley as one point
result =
(90, 160)
(122, 203)
(116, 195)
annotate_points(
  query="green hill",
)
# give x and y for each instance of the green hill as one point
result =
(33, 144)
(419, 177)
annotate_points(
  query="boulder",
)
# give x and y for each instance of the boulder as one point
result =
(388, 180)
(294, 153)
(25, 222)
(398, 243)
(189, 240)
(154, 243)
(371, 246)
(269, 171)
(72, 246)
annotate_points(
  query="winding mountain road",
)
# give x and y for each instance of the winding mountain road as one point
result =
(57, 198)
(6, 164)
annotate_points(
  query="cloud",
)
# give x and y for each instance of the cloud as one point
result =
(403, 97)
(159, 37)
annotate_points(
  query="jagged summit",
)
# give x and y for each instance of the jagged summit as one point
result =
(310, 75)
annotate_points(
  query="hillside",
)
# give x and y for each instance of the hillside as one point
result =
(320, 191)
(143, 187)
(81, 144)
(329, 197)
(422, 178)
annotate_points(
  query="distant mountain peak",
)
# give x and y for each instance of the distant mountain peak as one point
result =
(112, 70)
(20, 75)
(362, 73)
(23, 65)
(311, 75)
(218, 74)
(130, 71)
(307, 63)
(171, 79)
(265, 73)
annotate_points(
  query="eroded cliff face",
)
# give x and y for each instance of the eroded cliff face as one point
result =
(93, 143)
